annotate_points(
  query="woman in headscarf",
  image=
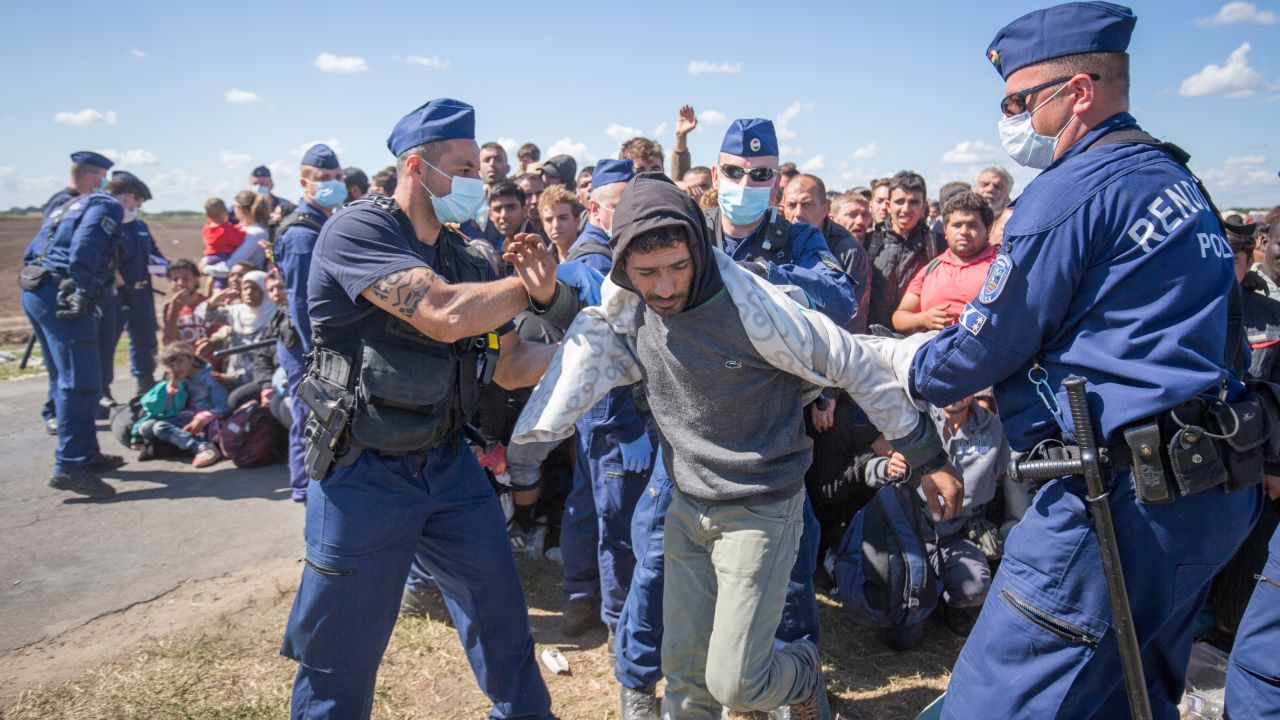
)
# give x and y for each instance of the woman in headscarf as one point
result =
(246, 322)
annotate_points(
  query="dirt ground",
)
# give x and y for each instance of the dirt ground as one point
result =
(211, 650)
(176, 239)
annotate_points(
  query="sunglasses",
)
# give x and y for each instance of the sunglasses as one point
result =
(1015, 103)
(735, 172)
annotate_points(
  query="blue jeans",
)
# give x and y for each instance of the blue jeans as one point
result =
(1253, 676)
(295, 368)
(365, 522)
(140, 319)
(72, 347)
(170, 433)
(1052, 570)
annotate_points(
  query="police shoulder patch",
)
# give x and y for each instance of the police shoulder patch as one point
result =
(830, 260)
(109, 226)
(996, 278)
(972, 319)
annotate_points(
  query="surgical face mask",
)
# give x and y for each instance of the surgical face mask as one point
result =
(465, 197)
(1027, 147)
(743, 205)
(130, 215)
(262, 189)
(608, 232)
(329, 193)
(102, 186)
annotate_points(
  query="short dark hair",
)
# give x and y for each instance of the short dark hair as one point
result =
(822, 187)
(531, 150)
(908, 181)
(179, 265)
(788, 170)
(1112, 67)
(355, 177)
(214, 206)
(587, 171)
(430, 152)
(507, 188)
(494, 146)
(952, 188)
(698, 169)
(641, 148)
(386, 179)
(968, 201)
(877, 182)
(1240, 242)
(655, 239)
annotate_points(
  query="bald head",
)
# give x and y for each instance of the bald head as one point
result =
(804, 200)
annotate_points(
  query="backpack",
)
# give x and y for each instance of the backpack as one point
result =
(251, 437)
(886, 574)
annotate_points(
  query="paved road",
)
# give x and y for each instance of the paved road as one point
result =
(65, 560)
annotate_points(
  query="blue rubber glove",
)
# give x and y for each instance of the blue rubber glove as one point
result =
(583, 278)
(637, 454)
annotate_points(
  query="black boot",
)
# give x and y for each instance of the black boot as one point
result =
(82, 482)
(639, 704)
(581, 616)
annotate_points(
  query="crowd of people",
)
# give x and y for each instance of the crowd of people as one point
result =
(745, 485)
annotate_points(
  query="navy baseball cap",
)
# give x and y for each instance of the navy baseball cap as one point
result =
(139, 187)
(1068, 29)
(91, 158)
(752, 137)
(439, 119)
(608, 172)
(261, 172)
(321, 156)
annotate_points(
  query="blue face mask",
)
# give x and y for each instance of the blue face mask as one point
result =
(466, 195)
(741, 204)
(262, 189)
(102, 186)
(329, 194)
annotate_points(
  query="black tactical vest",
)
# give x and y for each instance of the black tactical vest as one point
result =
(411, 393)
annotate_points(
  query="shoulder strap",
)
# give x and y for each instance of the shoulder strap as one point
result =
(773, 240)
(590, 247)
(932, 265)
(57, 216)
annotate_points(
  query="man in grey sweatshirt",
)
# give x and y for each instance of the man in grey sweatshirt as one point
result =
(733, 441)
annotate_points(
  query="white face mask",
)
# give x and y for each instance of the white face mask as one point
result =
(1027, 147)
(130, 215)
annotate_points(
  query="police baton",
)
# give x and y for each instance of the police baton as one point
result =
(1089, 464)
(256, 345)
(26, 354)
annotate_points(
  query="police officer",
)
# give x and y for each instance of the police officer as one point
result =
(1113, 214)
(759, 238)
(1253, 675)
(71, 270)
(137, 308)
(261, 182)
(322, 192)
(404, 316)
(88, 173)
(614, 454)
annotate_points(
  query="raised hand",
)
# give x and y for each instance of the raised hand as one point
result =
(686, 122)
(534, 265)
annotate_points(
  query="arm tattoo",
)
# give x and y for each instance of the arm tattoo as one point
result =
(403, 290)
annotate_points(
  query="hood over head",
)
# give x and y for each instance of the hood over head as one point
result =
(653, 201)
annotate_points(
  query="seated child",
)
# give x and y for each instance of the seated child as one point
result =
(182, 322)
(221, 238)
(178, 409)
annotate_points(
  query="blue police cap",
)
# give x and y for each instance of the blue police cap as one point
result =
(139, 187)
(608, 172)
(439, 119)
(321, 156)
(753, 137)
(262, 171)
(1069, 29)
(91, 158)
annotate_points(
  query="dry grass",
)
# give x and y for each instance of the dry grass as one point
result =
(231, 669)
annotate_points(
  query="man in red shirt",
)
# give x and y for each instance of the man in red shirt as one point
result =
(938, 292)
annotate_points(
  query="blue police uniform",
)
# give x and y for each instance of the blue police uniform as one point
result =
(1253, 675)
(595, 533)
(65, 195)
(82, 241)
(586, 248)
(368, 517)
(138, 247)
(1094, 278)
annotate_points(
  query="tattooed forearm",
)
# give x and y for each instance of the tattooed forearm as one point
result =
(403, 290)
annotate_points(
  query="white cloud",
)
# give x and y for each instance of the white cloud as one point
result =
(866, 152)
(712, 117)
(566, 146)
(136, 156)
(702, 67)
(330, 63)
(1235, 79)
(179, 183)
(971, 151)
(1241, 172)
(814, 164)
(87, 116)
(433, 61)
(621, 133)
(241, 97)
(662, 127)
(279, 170)
(785, 150)
(508, 144)
(137, 53)
(233, 160)
(1239, 12)
(782, 123)
(333, 144)
(26, 191)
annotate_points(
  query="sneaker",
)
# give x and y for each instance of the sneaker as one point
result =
(427, 601)
(102, 462)
(51, 426)
(639, 704)
(104, 408)
(82, 481)
(206, 455)
(581, 616)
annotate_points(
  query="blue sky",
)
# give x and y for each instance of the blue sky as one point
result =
(858, 90)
